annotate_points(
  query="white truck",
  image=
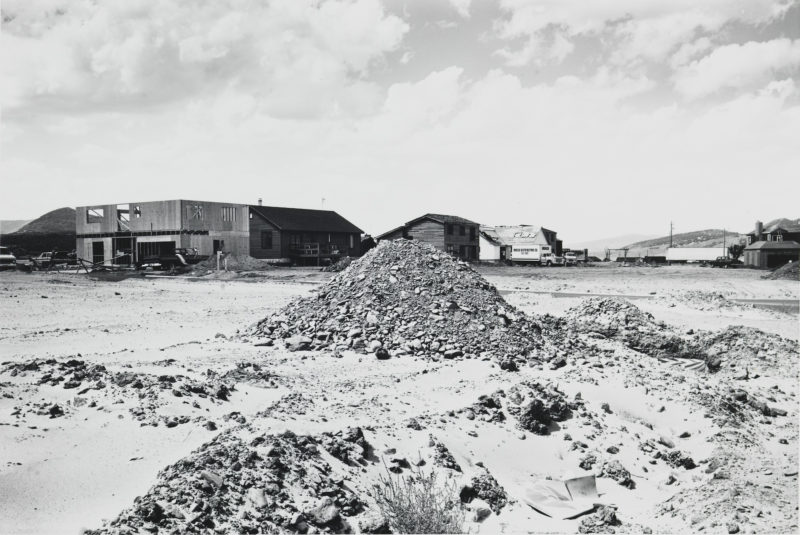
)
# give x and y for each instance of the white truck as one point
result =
(683, 255)
(530, 253)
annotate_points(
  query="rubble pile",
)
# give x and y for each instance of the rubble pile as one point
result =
(601, 521)
(349, 446)
(740, 346)
(274, 483)
(611, 317)
(408, 298)
(700, 300)
(149, 389)
(789, 271)
(485, 487)
(537, 406)
(442, 455)
(252, 373)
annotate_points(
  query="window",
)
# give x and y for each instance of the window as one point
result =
(451, 248)
(462, 231)
(779, 237)
(266, 239)
(352, 241)
(137, 211)
(448, 228)
(229, 213)
(95, 215)
(472, 233)
(251, 215)
(194, 211)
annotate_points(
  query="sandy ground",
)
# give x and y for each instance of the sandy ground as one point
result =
(68, 473)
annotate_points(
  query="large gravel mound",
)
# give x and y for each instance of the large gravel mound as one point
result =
(405, 297)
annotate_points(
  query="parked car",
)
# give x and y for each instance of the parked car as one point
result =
(181, 258)
(50, 259)
(7, 259)
(570, 259)
(725, 262)
(549, 259)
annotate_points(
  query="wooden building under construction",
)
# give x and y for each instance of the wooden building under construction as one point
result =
(121, 234)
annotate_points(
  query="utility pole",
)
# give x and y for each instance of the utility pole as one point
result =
(724, 248)
(670, 234)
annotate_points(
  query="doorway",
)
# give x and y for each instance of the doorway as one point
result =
(98, 252)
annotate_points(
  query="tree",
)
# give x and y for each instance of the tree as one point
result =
(736, 250)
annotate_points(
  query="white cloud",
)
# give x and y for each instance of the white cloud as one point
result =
(462, 7)
(539, 50)
(753, 64)
(633, 29)
(79, 53)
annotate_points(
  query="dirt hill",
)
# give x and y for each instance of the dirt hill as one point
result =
(53, 231)
(57, 221)
(699, 238)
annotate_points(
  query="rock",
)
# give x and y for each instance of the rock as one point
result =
(666, 442)
(212, 477)
(298, 343)
(614, 470)
(382, 354)
(257, 497)
(374, 522)
(732, 527)
(324, 513)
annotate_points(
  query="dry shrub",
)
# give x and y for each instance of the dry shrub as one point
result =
(419, 503)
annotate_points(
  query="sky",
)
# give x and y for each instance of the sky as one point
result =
(592, 118)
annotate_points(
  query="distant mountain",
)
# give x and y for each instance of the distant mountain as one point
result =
(7, 226)
(789, 225)
(700, 238)
(54, 231)
(57, 221)
(598, 247)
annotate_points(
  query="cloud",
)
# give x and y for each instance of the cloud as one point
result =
(632, 30)
(462, 7)
(747, 66)
(139, 53)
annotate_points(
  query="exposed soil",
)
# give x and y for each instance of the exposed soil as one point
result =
(153, 404)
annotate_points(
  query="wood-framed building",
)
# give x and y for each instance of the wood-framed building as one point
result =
(301, 235)
(452, 234)
(121, 234)
(774, 245)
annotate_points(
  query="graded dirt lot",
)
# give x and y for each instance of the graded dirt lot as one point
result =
(107, 385)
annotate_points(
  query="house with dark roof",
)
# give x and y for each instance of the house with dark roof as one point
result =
(304, 236)
(773, 245)
(448, 233)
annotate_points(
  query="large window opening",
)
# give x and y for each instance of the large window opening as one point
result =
(95, 215)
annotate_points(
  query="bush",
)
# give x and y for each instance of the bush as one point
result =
(417, 503)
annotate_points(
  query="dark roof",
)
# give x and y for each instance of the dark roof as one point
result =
(382, 236)
(442, 218)
(779, 245)
(303, 219)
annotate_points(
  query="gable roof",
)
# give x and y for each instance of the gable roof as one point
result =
(782, 245)
(442, 218)
(304, 219)
(388, 232)
(518, 234)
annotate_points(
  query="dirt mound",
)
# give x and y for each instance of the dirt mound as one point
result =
(405, 297)
(615, 318)
(93, 381)
(738, 345)
(790, 271)
(700, 300)
(273, 483)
